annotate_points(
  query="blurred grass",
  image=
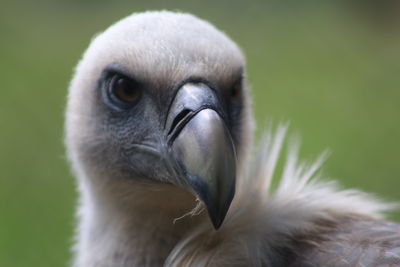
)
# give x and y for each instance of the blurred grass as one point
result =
(332, 72)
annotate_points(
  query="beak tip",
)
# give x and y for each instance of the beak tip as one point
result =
(216, 202)
(217, 213)
(217, 217)
(216, 221)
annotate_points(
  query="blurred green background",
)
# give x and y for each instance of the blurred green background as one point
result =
(330, 67)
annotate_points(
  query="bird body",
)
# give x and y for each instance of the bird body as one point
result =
(159, 133)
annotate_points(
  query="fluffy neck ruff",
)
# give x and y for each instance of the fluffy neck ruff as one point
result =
(261, 219)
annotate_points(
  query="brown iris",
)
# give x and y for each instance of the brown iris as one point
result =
(125, 90)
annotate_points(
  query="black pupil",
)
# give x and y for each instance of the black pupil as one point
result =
(125, 90)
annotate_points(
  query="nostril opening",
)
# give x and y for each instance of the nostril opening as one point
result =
(178, 118)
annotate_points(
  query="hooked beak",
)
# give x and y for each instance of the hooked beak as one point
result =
(202, 147)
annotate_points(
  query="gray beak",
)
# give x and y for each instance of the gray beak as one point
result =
(202, 147)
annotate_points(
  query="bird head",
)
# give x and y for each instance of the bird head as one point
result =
(160, 98)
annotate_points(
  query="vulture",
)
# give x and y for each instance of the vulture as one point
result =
(159, 133)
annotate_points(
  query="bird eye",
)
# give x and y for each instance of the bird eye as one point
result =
(124, 89)
(121, 92)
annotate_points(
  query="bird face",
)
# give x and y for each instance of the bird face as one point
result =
(159, 98)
